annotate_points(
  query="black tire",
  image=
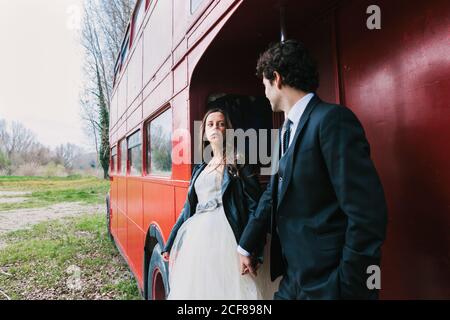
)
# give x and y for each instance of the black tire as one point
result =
(108, 218)
(157, 280)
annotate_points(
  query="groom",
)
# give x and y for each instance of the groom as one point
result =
(325, 206)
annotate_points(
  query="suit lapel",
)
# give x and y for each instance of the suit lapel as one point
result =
(291, 152)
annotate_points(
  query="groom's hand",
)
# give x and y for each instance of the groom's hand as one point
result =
(247, 265)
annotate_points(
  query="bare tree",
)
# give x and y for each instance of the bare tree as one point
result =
(38, 154)
(17, 140)
(18, 146)
(21, 153)
(91, 127)
(66, 154)
(104, 26)
(4, 136)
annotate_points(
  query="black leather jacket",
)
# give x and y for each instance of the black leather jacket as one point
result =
(240, 196)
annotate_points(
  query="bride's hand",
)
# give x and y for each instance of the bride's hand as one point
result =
(166, 256)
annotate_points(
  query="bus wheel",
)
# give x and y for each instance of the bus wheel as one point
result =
(157, 283)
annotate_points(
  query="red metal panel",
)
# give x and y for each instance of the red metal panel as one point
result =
(320, 39)
(122, 131)
(180, 76)
(113, 199)
(134, 201)
(134, 119)
(179, 51)
(158, 206)
(113, 111)
(159, 96)
(121, 212)
(199, 48)
(122, 99)
(181, 137)
(122, 226)
(157, 39)
(135, 72)
(122, 194)
(180, 17)
(397, 80)
(135, 249)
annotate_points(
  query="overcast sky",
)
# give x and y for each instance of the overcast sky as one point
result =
(40, 68)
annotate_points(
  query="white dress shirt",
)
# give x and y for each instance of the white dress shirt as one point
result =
(294, 115)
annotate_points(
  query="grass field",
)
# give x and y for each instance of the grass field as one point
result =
(46, 191)
(69, 258)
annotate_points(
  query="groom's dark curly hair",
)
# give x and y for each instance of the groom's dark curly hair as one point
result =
(293, 62)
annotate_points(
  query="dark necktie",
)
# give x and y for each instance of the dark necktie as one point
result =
(287, 133)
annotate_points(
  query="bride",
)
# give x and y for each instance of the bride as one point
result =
(202, 247)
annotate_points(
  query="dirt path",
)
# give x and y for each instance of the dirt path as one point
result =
(13, 193)
(13, 196)
(25, 218)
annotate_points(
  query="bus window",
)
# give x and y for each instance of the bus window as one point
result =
(138, 17)
(113, 167)
(124, 53)
(159, 144)
(135, 154)
(116, 71)
(195, 4)
(123, 157)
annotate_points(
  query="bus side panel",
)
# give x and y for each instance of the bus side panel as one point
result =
(122, 97)
(134, 117)
(135, 234)
(114, 209)
(121, 239)
(181, 137)
(135, 242)
(113, 116)
(320, 39)
(158, 206)
(397, 81)
(134, 86)
(157, 39)
(180, 20)
(159, 95)
(122, 216)
(134, 199)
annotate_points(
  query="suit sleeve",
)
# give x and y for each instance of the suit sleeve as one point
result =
(253, 237)
(251, 189)
(360, 195)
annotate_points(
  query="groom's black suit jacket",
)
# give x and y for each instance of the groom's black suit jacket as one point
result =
(329, 217)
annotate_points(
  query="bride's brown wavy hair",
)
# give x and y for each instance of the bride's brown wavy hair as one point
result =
(230, 161)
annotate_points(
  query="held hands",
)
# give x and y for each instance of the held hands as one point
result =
(248, 265)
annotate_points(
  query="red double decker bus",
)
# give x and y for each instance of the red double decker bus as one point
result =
(178, 55)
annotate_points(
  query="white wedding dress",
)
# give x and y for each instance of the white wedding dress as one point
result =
(204, 263)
